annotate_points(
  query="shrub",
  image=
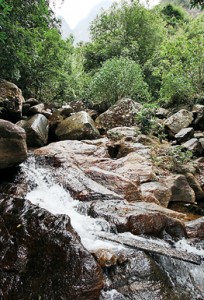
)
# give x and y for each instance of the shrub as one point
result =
(118, 78)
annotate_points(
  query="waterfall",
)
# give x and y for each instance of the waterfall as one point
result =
(48, 194)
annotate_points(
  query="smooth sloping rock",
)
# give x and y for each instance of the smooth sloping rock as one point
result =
(13, 148)
(195, 228)
(11, 101)
(178, 121)
(106, 179)
(37, 128)
(159, 190)
(119, 184)
(184, 134)
(41, 256)
(77, 127)
(180, 189)
(122, 113)
(138, 218)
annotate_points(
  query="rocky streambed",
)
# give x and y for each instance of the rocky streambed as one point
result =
(58, 210)
(95, 209)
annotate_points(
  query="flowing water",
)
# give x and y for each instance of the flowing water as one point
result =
(45, 192)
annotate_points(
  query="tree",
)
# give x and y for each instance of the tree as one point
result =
(197, 3)
(32, 52)
(117, 78)
(127, 30)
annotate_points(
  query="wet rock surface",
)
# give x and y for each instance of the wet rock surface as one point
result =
(41, 256)
(138, 218)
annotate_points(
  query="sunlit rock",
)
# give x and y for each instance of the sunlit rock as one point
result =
(37, 128)
(182, 119)
(122, 113)
(77, 127)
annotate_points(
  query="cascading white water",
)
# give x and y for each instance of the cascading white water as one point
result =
(46, 193)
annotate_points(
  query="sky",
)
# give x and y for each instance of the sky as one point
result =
(75, 10)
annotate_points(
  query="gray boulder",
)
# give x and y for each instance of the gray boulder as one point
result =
(122, 113)
(37, 128)
(11, 101)
(180, 189)
(79, 126)
(13, 148)
(194, 146)
(184, 134)
(159, 190)
(182, 119)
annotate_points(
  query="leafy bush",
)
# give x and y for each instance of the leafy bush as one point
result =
(117, 78)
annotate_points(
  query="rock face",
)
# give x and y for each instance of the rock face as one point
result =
(11, 101)
(160, 191)
(180, 189)
(138, 218)
(77, 127)
(42, 257)
(195, 228)
(121, 114)
(109, 178)
(37, 128)
(178, 121)
(13, 149)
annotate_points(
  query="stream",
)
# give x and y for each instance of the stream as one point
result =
(185, 280)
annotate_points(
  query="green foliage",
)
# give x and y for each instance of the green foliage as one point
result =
(174, 15)
(197, 3)
(146, 118)
(117, 78)
(178, 67)
(179, 156)
(128, 30)
(32, 52)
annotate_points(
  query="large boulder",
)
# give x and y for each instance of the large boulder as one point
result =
(13, 148)
(77, 127)
(160, 191)
(122, 113)
(182, 119)
(11, 101)
(37, 128)
(180, 189)
(138, 218)
(41, 256)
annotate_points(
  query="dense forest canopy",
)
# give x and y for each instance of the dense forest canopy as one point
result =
(152, 55)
